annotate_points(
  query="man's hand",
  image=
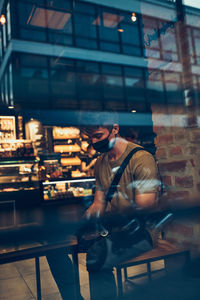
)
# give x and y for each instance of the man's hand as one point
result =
(97, 208)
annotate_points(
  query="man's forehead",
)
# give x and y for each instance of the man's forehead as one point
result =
(98, 130)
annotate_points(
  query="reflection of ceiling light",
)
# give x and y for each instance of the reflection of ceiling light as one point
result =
(48, 18)
(2, 19)
(121, 30)
(133, 17)
(10, 107)
(133, 111)
(111, 20)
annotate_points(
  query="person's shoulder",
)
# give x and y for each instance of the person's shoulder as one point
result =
(99, 160)
(141, 153)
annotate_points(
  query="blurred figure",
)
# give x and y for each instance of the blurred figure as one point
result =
(88, 162)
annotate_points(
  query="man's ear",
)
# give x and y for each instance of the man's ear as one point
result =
(115, 128)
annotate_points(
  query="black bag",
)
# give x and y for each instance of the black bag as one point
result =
(108, 243)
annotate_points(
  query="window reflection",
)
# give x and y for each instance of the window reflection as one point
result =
(155, 86)
(173, 89)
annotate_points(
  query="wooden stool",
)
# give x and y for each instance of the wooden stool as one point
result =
(164, 251)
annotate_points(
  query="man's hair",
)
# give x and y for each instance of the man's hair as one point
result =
(89, 130)
(97, 120)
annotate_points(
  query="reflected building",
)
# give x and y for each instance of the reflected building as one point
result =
(93, 54)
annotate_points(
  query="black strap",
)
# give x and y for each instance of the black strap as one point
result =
(116, 179)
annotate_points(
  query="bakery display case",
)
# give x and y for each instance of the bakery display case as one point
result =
(67, 189)
(18, 174)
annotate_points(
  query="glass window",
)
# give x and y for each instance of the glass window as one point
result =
(134, 84)
(112, 87)
(131, 50)
(130, 34)
(110, 47)
(4, 37)
(33, 60)
(108, 23)
(197, 42)
(1, 48)
(84, 25)
(66, 4)
(155, 86)
(190, 41)
(11, 84)
(33, 35)
(57, 38)
(173, 88)
(86, 43)
(90, 67)
(6, 88)
(8, 21)
(167, 36)
(63, 77)
(111, 69)
(84, 8)
(88, 80)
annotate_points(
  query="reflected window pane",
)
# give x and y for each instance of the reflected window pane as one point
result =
(155, 87)
(33, 60)
(84, 25)
(131, 50)
(86, 43)
(111, 69)
(130, 35)
(108, 26)
(62, 39)
(167, 36)
(134, 88)
(66, 4)
(173, 89)
(110, 47)
(33, 35)
(63, 82)
(112, 87)
(84, 7)
(87, 67)
(89, 86)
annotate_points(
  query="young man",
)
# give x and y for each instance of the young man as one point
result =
(137, 190)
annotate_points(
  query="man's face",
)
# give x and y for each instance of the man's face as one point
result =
(100, 134)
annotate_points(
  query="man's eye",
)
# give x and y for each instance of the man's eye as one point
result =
(98, 136)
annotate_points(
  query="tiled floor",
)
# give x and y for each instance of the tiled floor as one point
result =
(17, 280)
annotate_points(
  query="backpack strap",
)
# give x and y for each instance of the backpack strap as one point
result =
(116, 179)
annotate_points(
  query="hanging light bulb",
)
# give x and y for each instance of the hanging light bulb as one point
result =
(2, 19)
(133, 17)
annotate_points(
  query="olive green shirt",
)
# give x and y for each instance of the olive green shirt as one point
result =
(140, 176)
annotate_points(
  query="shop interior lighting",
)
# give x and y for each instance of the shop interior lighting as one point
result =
(11, 107)
(2, 19)
(133, 111)
(133, 17)
(48, 18)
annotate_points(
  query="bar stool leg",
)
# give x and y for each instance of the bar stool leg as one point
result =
(125, 274)
(119, 283)
(38, 282)
(149, 271)
(76, 270)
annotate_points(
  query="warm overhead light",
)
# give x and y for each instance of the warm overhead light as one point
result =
(133, 17)
(10, 107)
(121, 30)
(2, 19)
(133, 111)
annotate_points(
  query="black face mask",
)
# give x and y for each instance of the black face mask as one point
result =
(105, 145)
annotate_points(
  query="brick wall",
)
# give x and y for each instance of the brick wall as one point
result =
(178, 155)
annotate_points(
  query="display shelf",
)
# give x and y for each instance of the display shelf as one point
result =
(69, 188)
